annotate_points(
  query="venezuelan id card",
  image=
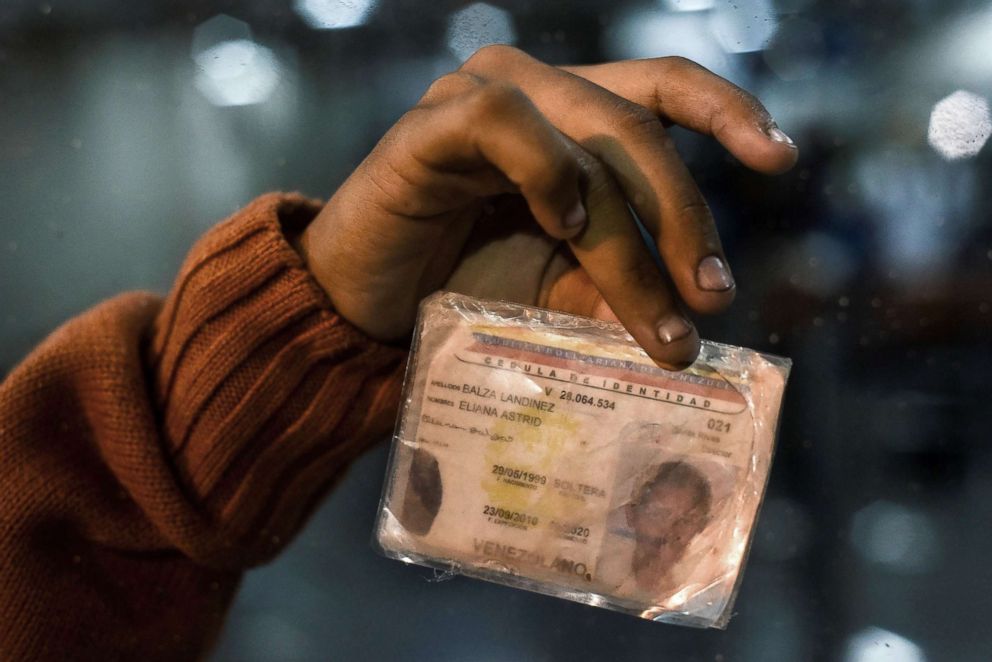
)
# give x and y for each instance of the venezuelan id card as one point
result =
(548, 452)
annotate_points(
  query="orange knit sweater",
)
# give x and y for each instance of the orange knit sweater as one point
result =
(151, 451)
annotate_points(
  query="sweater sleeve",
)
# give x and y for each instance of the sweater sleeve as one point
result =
(151, 451)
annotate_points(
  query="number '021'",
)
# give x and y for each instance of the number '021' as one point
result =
(718, 425)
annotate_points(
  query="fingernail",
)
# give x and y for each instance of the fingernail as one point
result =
(575, 218)
(778, 135)
(712, 275)
(672, 329)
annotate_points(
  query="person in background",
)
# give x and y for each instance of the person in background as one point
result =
(152, 450)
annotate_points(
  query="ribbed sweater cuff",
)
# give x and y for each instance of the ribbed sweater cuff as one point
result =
(266, 393)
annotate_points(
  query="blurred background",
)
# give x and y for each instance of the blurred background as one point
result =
(129, 128)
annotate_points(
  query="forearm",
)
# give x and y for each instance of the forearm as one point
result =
(151, 451)
(264, 389)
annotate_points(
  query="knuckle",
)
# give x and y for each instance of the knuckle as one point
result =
(676, 61)
(496, 99)
(450, 85)
(491, 57)
(747, 99)
(718, 121)
(752, 104)
(640, 274)
(678, 64)
(636, 115)
(636, 120)
(694, 210)
(696, 215)
(726, 114)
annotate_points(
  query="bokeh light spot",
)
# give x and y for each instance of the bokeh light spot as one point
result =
(236, 73)
(874, 644)
(743, 26)
(334, 14)
(643, 33)
(897, 537)
(689, 5)
(960, 125)
(232, 69)
(218, 29)
(476, 26)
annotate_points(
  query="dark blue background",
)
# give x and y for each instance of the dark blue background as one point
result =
(870, 265)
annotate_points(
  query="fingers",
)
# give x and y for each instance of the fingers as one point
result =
(635, 147)
(683, 92)
(632, 288)
(495, 124)
(489, 138)
(613, 112)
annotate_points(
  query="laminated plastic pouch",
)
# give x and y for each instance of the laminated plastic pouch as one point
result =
(546, 451)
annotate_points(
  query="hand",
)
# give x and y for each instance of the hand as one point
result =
(511, 179)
